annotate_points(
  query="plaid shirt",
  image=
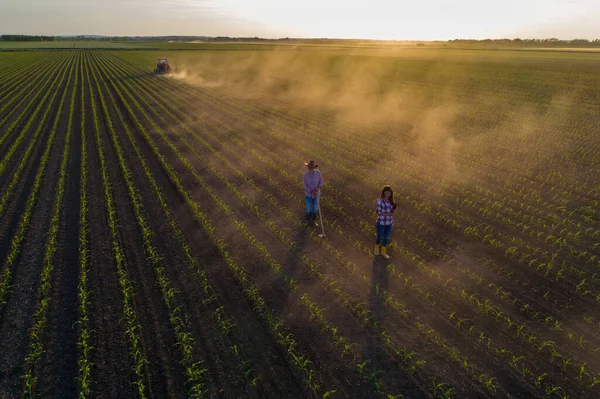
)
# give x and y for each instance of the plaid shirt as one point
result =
(384, 206)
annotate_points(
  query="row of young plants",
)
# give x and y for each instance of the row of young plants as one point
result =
(418, 205)
(25, 219)
(521, 326)
(569, 333)
(84, 333)
(11, 68)
(256, 208)
(211, 301)
(560, 231)
(313, 269)
(33, 141)
(370, 149)
(44, 295)
(19, 111)
(373, 149)
(19, 68)
(22, 114)
(573, 368)
(185, 341)
(25, 81)
(371, 211)
(345, 298)
(580, 339)
(285, 339)
(549, 222)
(512, 247)
(132, 325)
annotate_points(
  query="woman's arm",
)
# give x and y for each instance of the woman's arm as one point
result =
(380, 211)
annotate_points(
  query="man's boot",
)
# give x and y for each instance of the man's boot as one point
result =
(315, 219)
(384, 252)
(308, 219)
(376, 250)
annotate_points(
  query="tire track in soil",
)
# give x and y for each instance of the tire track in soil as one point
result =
(164, 373)
(22, 302)
(216, 350)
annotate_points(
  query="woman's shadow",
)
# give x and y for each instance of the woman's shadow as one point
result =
(377, 309)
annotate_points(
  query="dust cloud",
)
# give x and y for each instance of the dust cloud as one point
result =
(431, 106)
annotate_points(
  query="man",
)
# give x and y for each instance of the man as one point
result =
(313, 181)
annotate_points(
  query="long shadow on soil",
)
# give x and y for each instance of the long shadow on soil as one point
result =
(379, 282)
(375, 351)
(291, 266)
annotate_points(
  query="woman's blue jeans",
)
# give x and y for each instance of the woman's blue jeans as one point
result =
(312, 205)
(383, 234)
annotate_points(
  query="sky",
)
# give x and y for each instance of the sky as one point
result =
(359, 19)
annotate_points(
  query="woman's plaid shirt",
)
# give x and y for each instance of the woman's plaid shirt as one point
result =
(384, 206)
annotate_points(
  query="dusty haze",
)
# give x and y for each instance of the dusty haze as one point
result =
(411, 99)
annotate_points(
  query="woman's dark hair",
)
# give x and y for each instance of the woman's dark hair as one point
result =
(388, 188)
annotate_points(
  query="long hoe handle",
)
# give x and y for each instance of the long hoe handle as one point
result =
(321, 218)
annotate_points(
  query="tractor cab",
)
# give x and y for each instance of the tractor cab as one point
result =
(162, 66)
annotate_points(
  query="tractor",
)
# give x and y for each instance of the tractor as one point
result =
(162, 66)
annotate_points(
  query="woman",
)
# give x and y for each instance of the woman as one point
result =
(385, 212)
(313, 181)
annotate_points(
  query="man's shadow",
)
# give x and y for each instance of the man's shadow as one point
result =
(292, 267)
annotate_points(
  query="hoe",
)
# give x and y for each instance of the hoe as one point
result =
(321, 218)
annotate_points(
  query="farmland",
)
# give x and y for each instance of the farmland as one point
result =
(153, 244)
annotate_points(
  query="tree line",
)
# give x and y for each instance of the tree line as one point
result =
(553, 42)
(27, 38)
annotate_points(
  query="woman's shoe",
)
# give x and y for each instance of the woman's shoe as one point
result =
(384, 252)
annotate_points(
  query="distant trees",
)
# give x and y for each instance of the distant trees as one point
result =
(549, 42)
(27, 38)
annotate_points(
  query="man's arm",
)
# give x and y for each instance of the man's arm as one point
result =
(306, 188)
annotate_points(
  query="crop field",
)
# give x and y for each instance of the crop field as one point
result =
(153, 241)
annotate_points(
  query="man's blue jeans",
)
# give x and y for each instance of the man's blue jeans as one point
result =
(312, 205)
(383, 234)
